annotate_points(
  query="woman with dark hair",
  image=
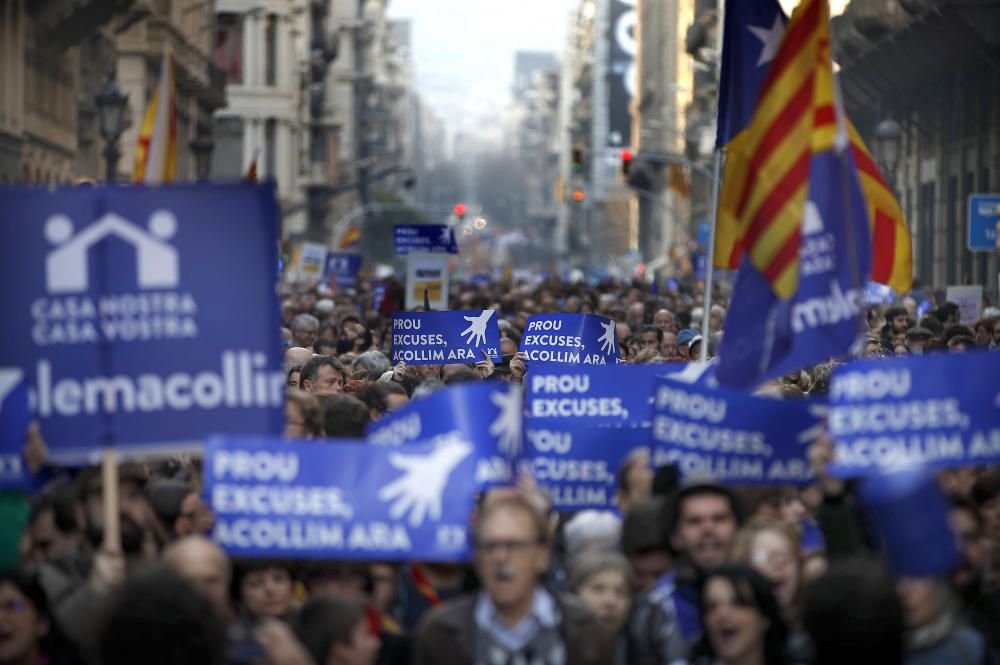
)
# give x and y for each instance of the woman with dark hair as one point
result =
(28, 635)
(743, 621)
(264, 588)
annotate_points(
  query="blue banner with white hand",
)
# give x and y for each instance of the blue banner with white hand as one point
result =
(14, 420)
(445, 338)
(433, 238)
(114, 300)
(575, 463)
(570, 339)
(346, 501)
(487, 413)
(734, 437)
(343, 267)
(937, 410)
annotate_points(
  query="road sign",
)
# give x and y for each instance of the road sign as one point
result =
(984, 218)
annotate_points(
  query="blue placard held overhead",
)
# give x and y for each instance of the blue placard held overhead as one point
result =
(137, 317)
(594, 395)
(445, 338)
(343, 267)
(575, 463)
(938, 410)
(487, 413)
(984, 216)
(570, 338)
(343, 501)
(733, 437)
(879, 294)
(433, 238)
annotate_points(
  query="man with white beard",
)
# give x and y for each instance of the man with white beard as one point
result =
(703, 520)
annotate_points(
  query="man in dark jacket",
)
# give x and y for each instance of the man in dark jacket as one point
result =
(514, 620)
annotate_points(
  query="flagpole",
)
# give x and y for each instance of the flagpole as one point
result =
(710, 253)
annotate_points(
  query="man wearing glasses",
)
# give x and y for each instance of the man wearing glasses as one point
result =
(514, 619)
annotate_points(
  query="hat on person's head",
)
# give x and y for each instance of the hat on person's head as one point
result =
(685, 336)
(694, 340)
(324, 306)
(919, 332)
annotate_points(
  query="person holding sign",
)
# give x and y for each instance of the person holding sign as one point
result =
(514, 618)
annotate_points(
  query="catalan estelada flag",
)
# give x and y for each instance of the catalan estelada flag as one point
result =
(156, 150)
(351, 238)
(752, 33)
(801, 217)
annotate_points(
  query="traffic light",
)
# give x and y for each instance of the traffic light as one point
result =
(577, 159)
(626, 162)
(459, 210)
(578, 195)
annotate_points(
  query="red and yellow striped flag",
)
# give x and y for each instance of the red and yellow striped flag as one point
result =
(156, 150)
(766, 174)
(351, 238)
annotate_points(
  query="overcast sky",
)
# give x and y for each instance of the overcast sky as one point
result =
(464, 49)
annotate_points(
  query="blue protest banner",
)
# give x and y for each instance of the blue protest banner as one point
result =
(699, 265)
(378, 295)
(273, 498)
(138, 316)
(916, 410)
(984, 222)
(343, 267)
(14, 419)
(570, 339)
(594, 395)
(433, 238)
(487, 413)
(445, 338)
(575, 463)
(733, 437)
(879, 294)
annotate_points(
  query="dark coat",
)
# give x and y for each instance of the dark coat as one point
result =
(447, 634)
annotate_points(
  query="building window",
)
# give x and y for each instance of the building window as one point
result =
(317, 146)
(227, 157)
(228, 54)
(270, 145)
(271, 50)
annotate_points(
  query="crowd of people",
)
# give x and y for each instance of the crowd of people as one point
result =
(683, 571)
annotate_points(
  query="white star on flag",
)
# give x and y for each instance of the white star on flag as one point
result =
(771, 37)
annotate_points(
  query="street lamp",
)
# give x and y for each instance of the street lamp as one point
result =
(111, 105)
(202, 147)
(888, 137)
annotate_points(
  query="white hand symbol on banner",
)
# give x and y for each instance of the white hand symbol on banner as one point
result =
(607, 340)
(418, 491)
(477, 327)
(820, 411)
(507, 425)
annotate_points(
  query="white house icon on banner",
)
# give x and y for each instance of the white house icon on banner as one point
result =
(66, 267)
